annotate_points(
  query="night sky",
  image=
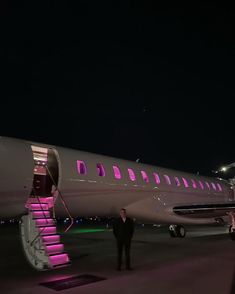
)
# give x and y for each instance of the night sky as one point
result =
(126, 79)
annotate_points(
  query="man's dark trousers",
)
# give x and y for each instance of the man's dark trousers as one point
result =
(123, 243)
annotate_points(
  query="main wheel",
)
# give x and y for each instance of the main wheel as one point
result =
(177, 231)
(172, 231)
(180, 231)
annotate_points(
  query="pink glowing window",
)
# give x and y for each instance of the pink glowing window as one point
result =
(201, 185)
(144, 176)
(100, 169)
(177, 181)
(208, 186)
(167, 179)
(194, 184)
(214, 186)
(117, 172)
(185, 183)
(131, 174)
(81, 167)
(157, 178)
(219, 187)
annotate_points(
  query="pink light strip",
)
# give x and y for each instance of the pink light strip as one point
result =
(51, 239)
(53, 249)
(45, 222)
(47, 230)
(59, 259)
(41, 214)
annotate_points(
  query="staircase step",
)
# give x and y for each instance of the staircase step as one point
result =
(38, 206)
(47, 230)
(46, 200)
(41, 214)
(43, 200)
(51, 239)
(62, 265)
(59, 259)
(43, 222)
(55, 249)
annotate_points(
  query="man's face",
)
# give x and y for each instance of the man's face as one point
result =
(122, 213)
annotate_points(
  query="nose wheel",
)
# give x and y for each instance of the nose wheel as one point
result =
(177, 231)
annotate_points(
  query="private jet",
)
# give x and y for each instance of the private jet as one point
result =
(39, 181)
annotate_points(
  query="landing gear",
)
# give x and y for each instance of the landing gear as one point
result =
(177, 231)
(220, 221)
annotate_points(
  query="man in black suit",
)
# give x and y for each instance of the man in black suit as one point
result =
(123, 230)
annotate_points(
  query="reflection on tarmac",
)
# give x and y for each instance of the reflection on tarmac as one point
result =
(203, 262)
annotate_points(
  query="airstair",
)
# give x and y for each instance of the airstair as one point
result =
(41, 241)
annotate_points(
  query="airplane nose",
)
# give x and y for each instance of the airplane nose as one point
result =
(16, 175)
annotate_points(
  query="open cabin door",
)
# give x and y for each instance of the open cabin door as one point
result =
(46, 171)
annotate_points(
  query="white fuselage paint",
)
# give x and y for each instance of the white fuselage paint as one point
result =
(90, 194)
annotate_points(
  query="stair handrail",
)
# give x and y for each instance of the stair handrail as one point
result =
(40, 232)
(62, 200)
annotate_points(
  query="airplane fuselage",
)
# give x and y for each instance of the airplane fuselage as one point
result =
(93, 184)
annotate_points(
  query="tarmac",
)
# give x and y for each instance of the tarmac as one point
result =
(202, 262)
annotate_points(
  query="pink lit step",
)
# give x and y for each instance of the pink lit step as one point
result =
(37, 206)
(41, 214)
(53, 239)
(43, 222)
(40, 200)
(47, 230)
(55, 249)
(59, 259)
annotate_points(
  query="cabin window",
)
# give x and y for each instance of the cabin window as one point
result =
(177, 181)
(208, 186)
(194, 184)
(81, 167)
(100, 169)
(201, 185)
(219, 187)
(157, 178)
(117, 172)
(213, 186)
(167, 179)
(185, 183)
(145, 176)
(131, 174)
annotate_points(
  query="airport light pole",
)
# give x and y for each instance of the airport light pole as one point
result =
(225, 168)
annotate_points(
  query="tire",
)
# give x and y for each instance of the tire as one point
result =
(172, 231)
(180, 231)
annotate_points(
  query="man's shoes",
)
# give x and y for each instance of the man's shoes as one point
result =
(129, 268)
